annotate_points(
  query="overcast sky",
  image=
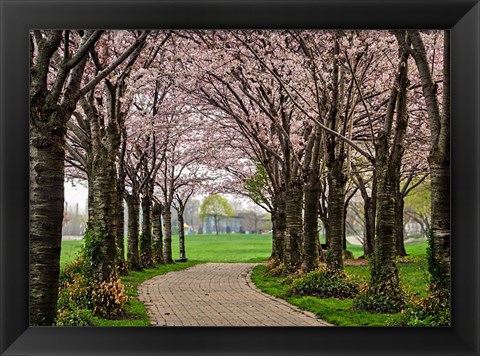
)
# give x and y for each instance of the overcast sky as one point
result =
(76, 193)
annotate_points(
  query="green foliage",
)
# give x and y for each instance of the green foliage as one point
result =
(74, 316)
(93, 250)
(419, 199)
(432, 310)
(418, 205)
(82, 294)
(79, 291)
(324, 283)
(257, 184)
(216, 205)
(381, 295)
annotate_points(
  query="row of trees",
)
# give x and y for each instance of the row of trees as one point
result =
(297, 120)
(327, 113)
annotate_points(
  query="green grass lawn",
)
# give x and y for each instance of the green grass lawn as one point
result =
(70, 250)
(206, 248)
(338, 312)
(226, 248)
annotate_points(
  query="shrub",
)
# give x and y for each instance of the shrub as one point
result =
(433, 310)
(324, 283)
(82, 296)
(75, 317)
(109, 298)
(380, 298)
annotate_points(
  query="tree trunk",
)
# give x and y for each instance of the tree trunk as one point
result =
(279, 227)
(167, 220)
(121, 263)
(181, 236)
(215, 218)
(310, 227)
(439, 265)
(104, 217)
(369, 212)
(335, 227)
(146, 236)
(388, 159)
(385, 267)
(46, 214)
(439, 160)
(399, 226)
(344, 238)
(293, 237)
(157, 233)
(90, 203)
(47, 172)
(133, 206)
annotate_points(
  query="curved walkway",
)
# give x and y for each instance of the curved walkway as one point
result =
(217, 294)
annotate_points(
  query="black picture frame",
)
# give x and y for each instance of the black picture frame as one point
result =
(18, 17)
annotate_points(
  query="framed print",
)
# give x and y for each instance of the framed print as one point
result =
(18, 19)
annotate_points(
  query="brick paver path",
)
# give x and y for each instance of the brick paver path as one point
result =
(217, 294)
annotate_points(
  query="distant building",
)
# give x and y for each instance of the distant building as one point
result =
(225, 225)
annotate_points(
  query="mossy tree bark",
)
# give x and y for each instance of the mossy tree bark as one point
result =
(279, 227)
(399, 226)
(293, 238)
(146, 254)
(385, 268)
(369, 209)
(335, 229)
(336, 175)
(311, 255)
(181, 237)
(133, 206)
(121, 263)
(46, 215)
(157, 233)
(105, 144)
(311, 252)
(167, 246)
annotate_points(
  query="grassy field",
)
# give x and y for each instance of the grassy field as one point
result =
(204, 248)
(70, 250)
(257, 248)
(212, 248)
(338, 312)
